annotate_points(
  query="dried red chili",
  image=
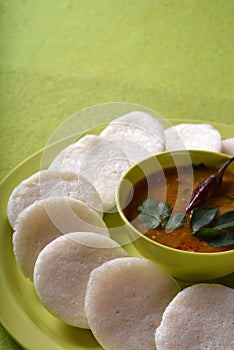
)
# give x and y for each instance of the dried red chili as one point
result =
(207, 188)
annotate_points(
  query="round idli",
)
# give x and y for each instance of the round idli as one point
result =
(228, 146)
(98, 160)
(47, 219)
(125, 300)
(199, 317)
(193, 136)
(104, 168)
(57, 162)
(62, 271)
(49, 183)
(71, 158)
(137, 133)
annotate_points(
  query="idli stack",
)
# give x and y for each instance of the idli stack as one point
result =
(100, 161)
(47, 219)
(104, 159)
(62, 271)
(49, 183)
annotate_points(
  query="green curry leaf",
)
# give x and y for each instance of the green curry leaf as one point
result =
(150, 213)
(153, 214)
(215, 237)
(149, 221)
(225, 220)
(148, 206)
(158, 214)
(164, 210)
(175, 221)
(202, 217)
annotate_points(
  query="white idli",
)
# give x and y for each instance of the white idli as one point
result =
(193, 136)
(199, 317)
(71, 158)
(125, 300)
(137, 133)
(57, 162)
(228, 146)
(62, 271)
(104, 168)
(49, 183)
(45, 220)
(100, 161)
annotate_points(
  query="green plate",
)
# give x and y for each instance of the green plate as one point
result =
(21, 313)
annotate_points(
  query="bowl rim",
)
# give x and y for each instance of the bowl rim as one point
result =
(140, 234)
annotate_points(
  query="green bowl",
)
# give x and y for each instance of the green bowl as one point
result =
(185, 265)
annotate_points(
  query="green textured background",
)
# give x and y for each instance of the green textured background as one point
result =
(60, 56)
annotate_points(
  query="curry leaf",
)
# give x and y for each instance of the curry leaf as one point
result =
(164, 209)
(225, 220)
(208, 233)
(215, 237)
(148, 206)
(149, 216)
(175, 221)
(153, 214)
(222, 241)
(202, 217)
(149, 221)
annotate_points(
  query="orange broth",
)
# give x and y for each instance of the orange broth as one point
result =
(155, 187)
